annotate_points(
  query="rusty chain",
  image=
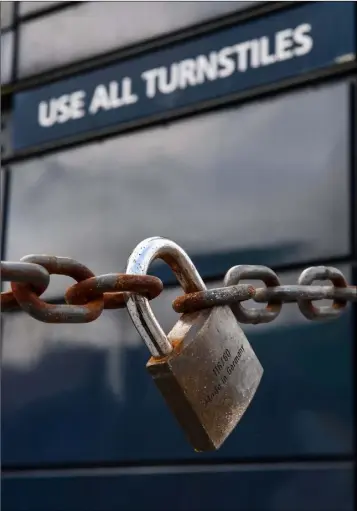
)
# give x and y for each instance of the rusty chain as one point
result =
(274, 294)
(86, 299)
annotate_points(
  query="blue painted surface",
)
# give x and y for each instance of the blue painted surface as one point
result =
(85, 396)
(332, 34)
(254, 490)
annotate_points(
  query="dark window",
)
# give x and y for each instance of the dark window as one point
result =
(5, 135)
(7, 47)
(2, 192)
(7, 13)
(111, 24)
(80, 393)
(266, 183)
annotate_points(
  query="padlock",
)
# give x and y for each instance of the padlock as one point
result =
(205, 367)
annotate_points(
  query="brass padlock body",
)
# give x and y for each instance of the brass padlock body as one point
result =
(210, 377)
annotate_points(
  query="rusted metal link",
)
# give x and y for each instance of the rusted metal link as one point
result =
(51, 313)
(302, 293)
(254, 315)
(229, 295)
(307, 308)
(36, 276)
(85, 300)
(193, 302)
(104, 285)
(293, 293)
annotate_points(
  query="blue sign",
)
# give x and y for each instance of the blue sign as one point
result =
(309, 37)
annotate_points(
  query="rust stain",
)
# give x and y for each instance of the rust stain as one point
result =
(111, 288)
(51, 313)
(177, 345)
(8, 301)
(192, 302)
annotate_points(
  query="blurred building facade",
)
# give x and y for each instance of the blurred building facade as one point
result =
(229, 127)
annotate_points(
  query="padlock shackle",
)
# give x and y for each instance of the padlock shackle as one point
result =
(139, 307)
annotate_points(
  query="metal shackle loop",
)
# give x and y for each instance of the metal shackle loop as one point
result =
(139, 307)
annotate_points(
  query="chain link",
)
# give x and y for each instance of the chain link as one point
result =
(274, 294)
(86, 300)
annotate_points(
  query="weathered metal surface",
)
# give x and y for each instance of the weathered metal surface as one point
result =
(30, 278)
(205, 368)
(293, 292)
(211, 376)
(192, 302)
(57, 313)
(112, 287)
(138, 306)
(85, 300)
(289, 293)
(254, 315)
(307, 308)
(35, 275)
